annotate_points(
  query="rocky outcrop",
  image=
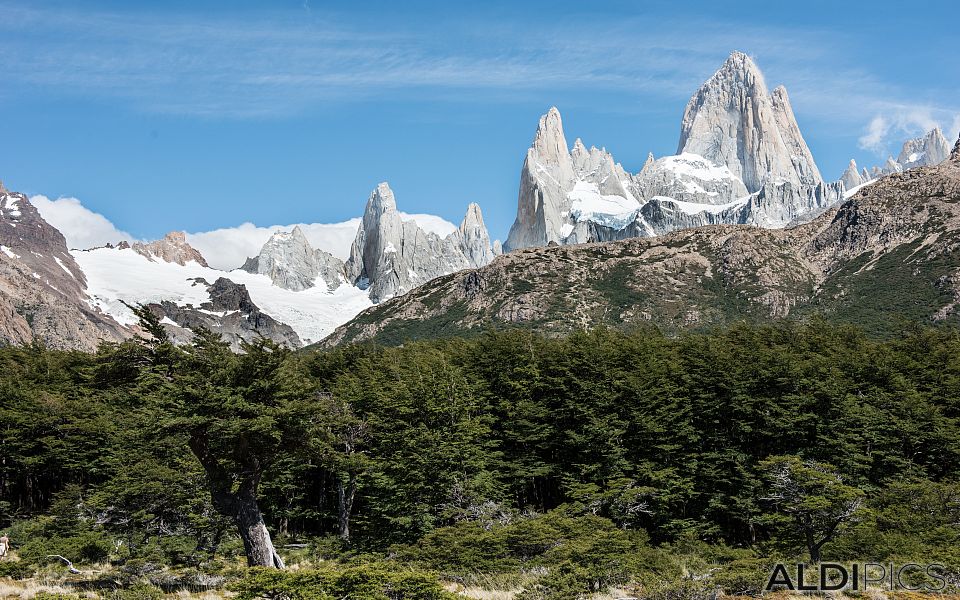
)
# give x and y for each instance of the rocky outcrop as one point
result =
(230, 313)
(546, 177)
(42, 290)
(292, 263)
(928, 150)
(474, 239)
(852, 178)
(925, 151)
(173, 248)
(955, 155)
(391, 255)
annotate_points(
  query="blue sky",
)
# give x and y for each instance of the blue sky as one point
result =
(199, 115)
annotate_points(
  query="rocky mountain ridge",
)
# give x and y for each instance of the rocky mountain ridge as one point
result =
(42, 289)
(925, 151)
(890, 252)
(741, 159)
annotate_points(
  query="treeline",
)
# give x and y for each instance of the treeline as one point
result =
(807, 440)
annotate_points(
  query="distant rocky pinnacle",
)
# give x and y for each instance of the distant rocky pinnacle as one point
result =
(173, 248)
(390, 256)
(930, 149)
(851, 178)
(955, 155)
(292, 263)
(925, 151)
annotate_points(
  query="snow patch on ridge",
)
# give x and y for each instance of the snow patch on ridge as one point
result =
(608, 210)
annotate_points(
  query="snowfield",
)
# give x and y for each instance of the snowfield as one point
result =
(116, 276)
(590, 205)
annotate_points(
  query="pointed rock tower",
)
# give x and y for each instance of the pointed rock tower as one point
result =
(851, 178)
(733, 121)
(390, 256)
(928, 150)
(545, 178)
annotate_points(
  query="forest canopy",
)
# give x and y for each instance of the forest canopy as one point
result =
(602, 456)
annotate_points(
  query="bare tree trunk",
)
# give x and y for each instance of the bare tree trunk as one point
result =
(253, 531)
(241, 506)
(345, 496)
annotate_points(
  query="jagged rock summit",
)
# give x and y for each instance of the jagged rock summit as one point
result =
(391, 255)
(925, 151)
(741, 159)
(733, 120)
(292, 263)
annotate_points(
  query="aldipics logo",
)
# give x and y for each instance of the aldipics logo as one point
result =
(832, 577)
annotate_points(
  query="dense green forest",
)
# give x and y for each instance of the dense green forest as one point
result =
(558, 466)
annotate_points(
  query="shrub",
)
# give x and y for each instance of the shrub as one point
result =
(368, 582)
(139, 591)
(86, 547)
(16, 569)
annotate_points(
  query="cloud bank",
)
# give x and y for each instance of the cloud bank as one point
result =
(82, 227)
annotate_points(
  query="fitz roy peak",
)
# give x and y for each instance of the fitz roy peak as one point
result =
(741, 159)
(734, 121)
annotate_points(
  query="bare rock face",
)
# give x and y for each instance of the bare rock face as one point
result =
(390, 256)
(173, 248)
(734, 121)
(230, 313)
(852, 178)
(545, 178)
(474, 238)
(928, 150)
(42, 290)
(925, 151)
(955, 155)
(292, 263)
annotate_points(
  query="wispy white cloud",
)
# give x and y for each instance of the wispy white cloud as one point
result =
(286, 63)
(279, 65)
(876, 134)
